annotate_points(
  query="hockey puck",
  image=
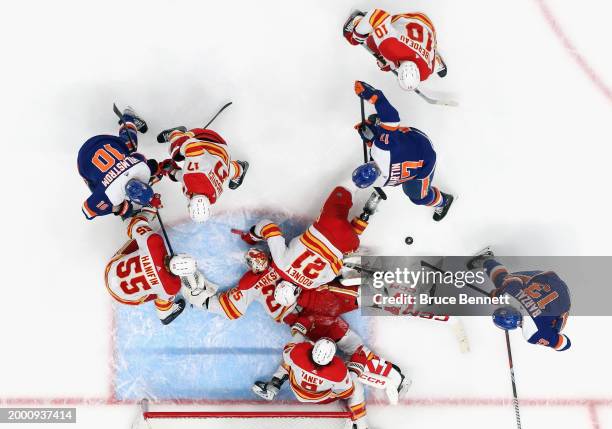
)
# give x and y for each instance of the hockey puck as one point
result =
(409, 240)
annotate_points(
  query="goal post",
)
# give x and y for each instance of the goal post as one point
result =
(251, 419)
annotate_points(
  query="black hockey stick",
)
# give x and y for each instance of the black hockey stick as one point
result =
(508, 348)
(451, 103)
(122, 122)
(161, 224)
(225, 106)
(515, 400)
(163, 229)
(382, 193)
(161, 137)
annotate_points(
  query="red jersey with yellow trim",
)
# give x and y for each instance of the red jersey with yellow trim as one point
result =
(403, 37)
(319, 311)
(309, 260)
(207, 161)
(233, 303)
(137, 273)
(313, 383)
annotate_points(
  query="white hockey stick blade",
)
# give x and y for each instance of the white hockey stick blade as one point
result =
(356, 281)
(460, 335)
(450, 103)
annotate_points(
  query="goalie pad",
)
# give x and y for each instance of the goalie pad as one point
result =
(376, 372)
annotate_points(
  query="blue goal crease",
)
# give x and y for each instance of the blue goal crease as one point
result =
(202, 356)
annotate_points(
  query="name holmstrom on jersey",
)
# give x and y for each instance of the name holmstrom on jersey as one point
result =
(118, 169)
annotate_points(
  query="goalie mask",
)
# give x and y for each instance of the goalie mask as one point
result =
(257, 260)
(323, 351)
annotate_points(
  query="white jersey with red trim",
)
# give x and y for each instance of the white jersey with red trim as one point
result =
(402, 37)
(309, 260)
(259, 287)
(207, 164)
(316, 384)
(137, 273)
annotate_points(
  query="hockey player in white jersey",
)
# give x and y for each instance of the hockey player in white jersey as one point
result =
(403, 43)
(206, 167)
(143, 270)
(256, 285)
(316, 375)
(315, 257)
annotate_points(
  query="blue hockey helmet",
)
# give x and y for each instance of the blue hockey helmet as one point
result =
(138, 192)
(366, 174)
(507, 318)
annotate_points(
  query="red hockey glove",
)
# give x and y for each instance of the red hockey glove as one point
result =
(156, 201)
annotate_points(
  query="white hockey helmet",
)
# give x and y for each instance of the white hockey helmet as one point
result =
(323, 351)
(182, 265)
(408, 76)
(199, 208)
(286, 293)
(257, 260)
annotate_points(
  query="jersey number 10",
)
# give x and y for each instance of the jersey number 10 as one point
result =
(106, 157)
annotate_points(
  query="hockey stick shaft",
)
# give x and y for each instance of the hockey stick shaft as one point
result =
(163, 229)
(471, 286)
(365, 146)
(515, 400)
(225, 106)
(122, 122)
(382, 193)
(161, 223)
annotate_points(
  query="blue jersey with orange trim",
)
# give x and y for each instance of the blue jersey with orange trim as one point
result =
(107, 163)
(401, 153)
(545, 300)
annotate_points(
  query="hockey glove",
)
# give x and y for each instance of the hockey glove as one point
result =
(366, 91)
(126, 210)
(250, 237)
(156, 201)
(167, 167)
(366, 132)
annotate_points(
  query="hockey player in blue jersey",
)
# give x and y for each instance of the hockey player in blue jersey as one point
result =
(109, 163)
(540, 301)
(398, 155)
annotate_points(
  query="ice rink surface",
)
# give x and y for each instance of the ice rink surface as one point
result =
(527, 152)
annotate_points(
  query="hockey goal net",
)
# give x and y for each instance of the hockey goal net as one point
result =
(269, 419)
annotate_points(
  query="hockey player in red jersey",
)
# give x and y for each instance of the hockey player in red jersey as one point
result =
(404, 43)
(143, 271)
(207, 166)
(317, 375)
(256, 285)
(315, 257)
(263, 284)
